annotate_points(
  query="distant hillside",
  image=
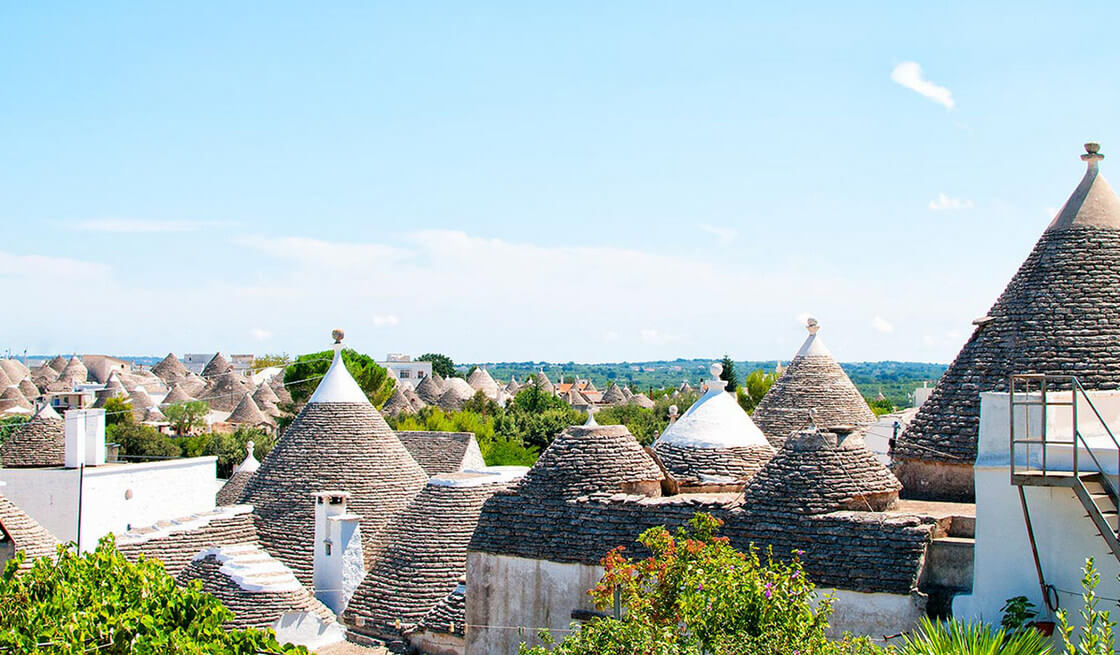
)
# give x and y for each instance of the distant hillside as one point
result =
(894, 379)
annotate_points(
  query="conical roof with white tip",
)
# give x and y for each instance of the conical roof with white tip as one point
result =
(813, 390)
(337, 442)
(715, 437)
(1057, 316)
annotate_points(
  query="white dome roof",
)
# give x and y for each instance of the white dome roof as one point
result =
(714, 421)
(338, 386)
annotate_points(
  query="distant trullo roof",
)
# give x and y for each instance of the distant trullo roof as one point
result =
(11, 398)
(715, 437)
(216, 366)
(225, 391)
(58, 363)
(455, 394)
(233, 488)
(13, 369)
(5, 381)
(481, 380)
(280, 390)
(170, 369)
(1058, 316)
(512, 387)
(39, 442)
(397, 404)
(429, 390)
(337, 442)
(543, 383)
(264, 395)
(641, 400)
(813, 474)
(176, 396)
(75, 370)
(28, 389)
(426, 556)
(112, 389)
(414, 400)
(812, 384)
(613, 395)
(247, 413)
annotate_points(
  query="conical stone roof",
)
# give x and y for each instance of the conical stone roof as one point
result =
(588, 459)
(337, 442)
(13, 369)
(813, 389)
(641, 400)
(176, 396)
(75, 370)
(225, 391)
(39, 442)
(28, 389)
(247, 413)
(481, 380)
(231, 491)
(58, 363)
(413, 398)
(5, 381)
(455, 394)
(429, 390)
(216, 366)
(43, 376)
(280, 390)
(12, 399)
(426, 556)
(397, 404)
(512, 387)
(1057, 316)
(543, 383)
(613, 395)
(193, 385)
(265, 395)
(715, 437)
(170, 369)
(113, 388)
(813, 474)
(153, 415)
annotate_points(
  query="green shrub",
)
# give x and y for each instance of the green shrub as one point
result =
(100, 602)
(696, 594)
(9, 424)
(1095, 637)
(140, 441)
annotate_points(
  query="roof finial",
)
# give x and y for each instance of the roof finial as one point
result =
(812, 325)
(1092, 154)
(338, 335)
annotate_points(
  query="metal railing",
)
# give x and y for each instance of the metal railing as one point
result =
(1024, 384)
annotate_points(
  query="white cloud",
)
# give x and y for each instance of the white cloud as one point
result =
(725, 234)
(944, 203)
(138, 226)
(260, 334)
(881, 324)
(35, 268)
(657, 337)
(385, 320)
(909, 75)
(324, 254)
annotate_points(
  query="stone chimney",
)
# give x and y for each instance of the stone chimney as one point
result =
(338, 561)
(85, 437)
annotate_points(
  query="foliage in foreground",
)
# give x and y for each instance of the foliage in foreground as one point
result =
(8, 425)
(102, 603)
(696, 594)
(952, 637)
(1095, 637)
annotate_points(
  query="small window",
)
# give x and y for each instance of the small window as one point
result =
(327, 547)
(405, 375)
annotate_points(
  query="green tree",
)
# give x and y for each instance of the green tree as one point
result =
(229, 448)
(268, 361)
(441, 364)
(100, 602)
(142, 441)
(696, 594)
(185, 417)
(304, 374)
(118, 410)
(755, 386)
(728, 374)
(880, 406)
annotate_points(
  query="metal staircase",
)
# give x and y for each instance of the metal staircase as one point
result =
(1094, 485)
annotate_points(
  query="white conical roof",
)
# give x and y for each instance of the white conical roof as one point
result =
(338, 386)
(813, 344)
(250, 463)
(1093, 202)
(714, 421)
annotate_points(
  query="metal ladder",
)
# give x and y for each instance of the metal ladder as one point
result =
(1093, 486)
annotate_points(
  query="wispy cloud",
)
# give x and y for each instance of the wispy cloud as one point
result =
(35, 268)
(655, 337)
(725, 234)
(880, 324)
(385, 320)
(909, 75)
(944, 203)
(140, 226)
(260, 334)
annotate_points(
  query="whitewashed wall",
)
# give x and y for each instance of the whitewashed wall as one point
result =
(115, 497)
(1065, 536)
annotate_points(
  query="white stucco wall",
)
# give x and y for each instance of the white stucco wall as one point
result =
(1004, 566)
(115, 497)
(306, 629)
(511, 592)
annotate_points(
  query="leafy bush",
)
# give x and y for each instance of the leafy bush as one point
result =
(956, 637)
(1095, 637)
(1018, 612)
(139, 441)
(118, 410)
(9, 424)
(100, 602)
(755, 386)
(228, 448)
(185, 417)
(696, 594)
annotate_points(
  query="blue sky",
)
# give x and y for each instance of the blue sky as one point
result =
(583, 181)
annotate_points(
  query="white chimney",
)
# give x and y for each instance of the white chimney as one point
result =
(75, 438)
(338, 563)
(95, 436)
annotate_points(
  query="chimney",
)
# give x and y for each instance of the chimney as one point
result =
(674, 413)
(85, 437)
(338, 562)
